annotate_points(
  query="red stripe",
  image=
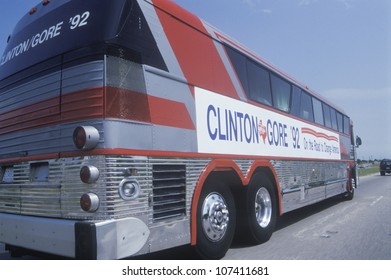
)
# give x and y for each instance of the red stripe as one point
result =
(126, 104)
(169, 113)
(156, 153)
(95, 103)
(194, 48)
(44, 113)
(84, 104)
(80, 105)
(130, 105)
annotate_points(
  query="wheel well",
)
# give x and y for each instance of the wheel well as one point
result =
(230, 179)
(240, 189)
(237, 185)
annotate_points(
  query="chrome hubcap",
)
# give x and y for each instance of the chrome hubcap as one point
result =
(215, 217)
(263, 207)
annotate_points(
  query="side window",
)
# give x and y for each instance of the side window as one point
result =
(318, 112)
(301, 105)
(306, 110)
(327, 115)
(296, 100)
(239, 62)
(259, 84)
(340, 122)
(334, 123)
(346, 125)
(281, 90)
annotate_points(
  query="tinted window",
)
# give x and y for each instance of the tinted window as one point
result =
(327, 116)
(318, 112)
(296, 100)
(306, 111)
(301, 105)
(340, 122)
(259, 84)
(346, 125)
(281, 93)
(333, 114)
(239, 62)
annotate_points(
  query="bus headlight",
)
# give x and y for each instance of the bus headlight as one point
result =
(85, 137)
(129, 189)
(89, 202)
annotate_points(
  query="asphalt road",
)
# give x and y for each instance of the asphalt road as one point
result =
(333, 229)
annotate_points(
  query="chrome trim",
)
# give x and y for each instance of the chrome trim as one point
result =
(115, 238)
(214, 217)
(168, 198)
(263, 207)
(54, 236)
(83, 76)
(129, 196)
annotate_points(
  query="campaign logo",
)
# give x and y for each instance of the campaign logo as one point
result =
(262, 131)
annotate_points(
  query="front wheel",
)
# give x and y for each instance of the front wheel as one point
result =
(216, 216)
(349, 194)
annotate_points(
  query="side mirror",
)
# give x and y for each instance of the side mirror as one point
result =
(358, 141)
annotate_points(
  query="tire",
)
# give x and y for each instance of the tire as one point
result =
(260, 213)
(382, 173)
(349, 195)
(216, 220)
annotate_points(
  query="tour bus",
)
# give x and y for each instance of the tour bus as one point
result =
(132, 126)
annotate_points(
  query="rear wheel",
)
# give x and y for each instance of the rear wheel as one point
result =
(216, 216)
(260, 213)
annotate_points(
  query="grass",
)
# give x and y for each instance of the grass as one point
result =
(368, 170)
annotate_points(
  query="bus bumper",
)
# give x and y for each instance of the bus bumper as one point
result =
(112, 239)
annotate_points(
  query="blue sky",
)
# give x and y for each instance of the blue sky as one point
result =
(339, 48)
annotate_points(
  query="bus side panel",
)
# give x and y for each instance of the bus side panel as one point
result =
(185, 40)
(307, 182)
